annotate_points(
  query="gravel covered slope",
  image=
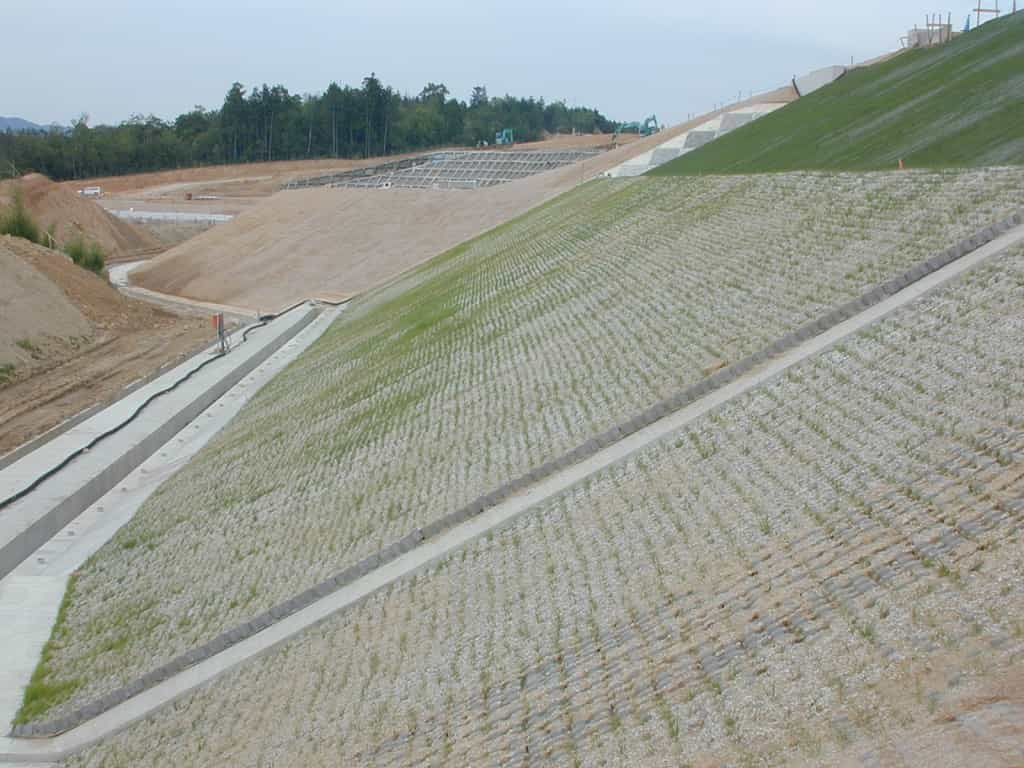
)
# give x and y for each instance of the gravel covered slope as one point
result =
(499, 356)
(830, 558)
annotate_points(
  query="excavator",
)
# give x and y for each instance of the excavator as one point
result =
(646, 128)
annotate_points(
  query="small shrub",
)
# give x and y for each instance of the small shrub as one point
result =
(18, 222)
(28, 346)
(88, 255)
(6, 373)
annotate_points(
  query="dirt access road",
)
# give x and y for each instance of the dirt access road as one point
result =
(120, 341)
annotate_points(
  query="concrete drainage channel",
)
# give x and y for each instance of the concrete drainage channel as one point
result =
(422, 547)
(30, 515)
(31, 594)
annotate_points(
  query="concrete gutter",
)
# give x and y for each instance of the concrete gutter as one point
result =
(424, 547)
(30, 522)
(26, 448)
(187, 217)
(30, 596)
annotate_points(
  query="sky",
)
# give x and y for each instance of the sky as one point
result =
(111, 59)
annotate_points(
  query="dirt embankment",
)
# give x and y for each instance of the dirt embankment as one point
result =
(68, 340)
(67, 215)
(37, 321)
(335, 242)
(341, 242)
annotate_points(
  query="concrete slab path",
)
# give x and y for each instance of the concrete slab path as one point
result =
(119, 717)
(119, 273)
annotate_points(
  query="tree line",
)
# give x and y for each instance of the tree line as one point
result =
(269, 123)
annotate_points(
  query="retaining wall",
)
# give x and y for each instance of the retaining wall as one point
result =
(819, 78)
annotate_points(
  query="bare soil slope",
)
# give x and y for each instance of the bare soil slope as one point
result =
(70, 215)
(341, 242)
(36, 318)
(83, 342)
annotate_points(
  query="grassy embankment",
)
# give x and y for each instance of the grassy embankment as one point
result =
(959, 105)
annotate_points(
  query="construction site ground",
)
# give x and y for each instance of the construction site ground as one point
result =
(100, 342)
(342, 242)
(117, 341)
(263, 179)
(235, 189)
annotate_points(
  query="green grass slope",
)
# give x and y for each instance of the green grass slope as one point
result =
(960, 105)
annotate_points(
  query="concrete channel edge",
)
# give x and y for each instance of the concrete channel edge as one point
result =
(42, 530)
(661, 409)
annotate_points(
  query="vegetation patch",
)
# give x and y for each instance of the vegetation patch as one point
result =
(958, 105)
(46, 689)
(269, 123)
(86, 254)
(28, 346)
(17, 221)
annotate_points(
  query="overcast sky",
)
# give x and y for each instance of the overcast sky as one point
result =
(115, 58)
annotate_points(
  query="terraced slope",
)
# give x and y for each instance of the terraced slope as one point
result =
(499, 356)
(829, 559)
(955, 106)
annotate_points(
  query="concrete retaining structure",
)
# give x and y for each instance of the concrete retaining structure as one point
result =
(721, 124)
(32, 521)
(817, 79)
(708, 131)
(476, 507)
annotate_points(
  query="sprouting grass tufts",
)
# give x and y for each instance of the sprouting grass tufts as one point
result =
(17, 221)
(43, 691)
(85, 254)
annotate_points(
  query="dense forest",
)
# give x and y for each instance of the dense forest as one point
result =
(269, 123)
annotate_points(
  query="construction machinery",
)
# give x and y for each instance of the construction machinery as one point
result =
(503, 136)
(646, 128)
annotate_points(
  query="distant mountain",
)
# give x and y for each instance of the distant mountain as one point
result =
(18, 125)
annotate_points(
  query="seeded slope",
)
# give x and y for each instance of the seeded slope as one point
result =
(830, 563)
(493, 359)
(955, 106)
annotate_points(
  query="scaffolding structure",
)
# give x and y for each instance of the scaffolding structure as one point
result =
(468, 169)
(936, 31)
(989, 11)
